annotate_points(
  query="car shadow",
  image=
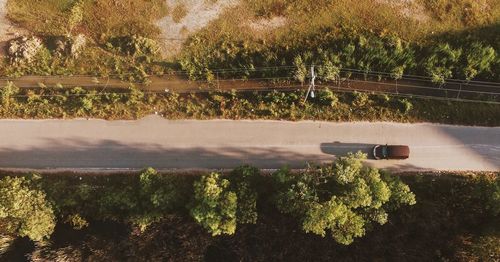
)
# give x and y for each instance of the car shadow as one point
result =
(341, 149)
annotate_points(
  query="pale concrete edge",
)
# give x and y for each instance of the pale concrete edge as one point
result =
(159, 118)
(200, 171)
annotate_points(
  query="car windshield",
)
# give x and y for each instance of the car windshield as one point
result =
(384, 151)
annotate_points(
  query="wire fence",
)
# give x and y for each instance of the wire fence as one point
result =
(348, 80)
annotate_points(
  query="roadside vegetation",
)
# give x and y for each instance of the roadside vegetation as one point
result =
(341, 35)
(115, 38)
(338, 209)
(431, 38)
(434, 38)
(60, 102)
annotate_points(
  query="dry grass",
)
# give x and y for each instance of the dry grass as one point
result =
(101, 18)
(179, 12)
(412, 20)
(40, 17)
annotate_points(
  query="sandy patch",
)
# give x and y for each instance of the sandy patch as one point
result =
(268, 24)
(409, 8)
(199, 14)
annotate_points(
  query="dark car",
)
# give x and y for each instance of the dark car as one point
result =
(391, 152)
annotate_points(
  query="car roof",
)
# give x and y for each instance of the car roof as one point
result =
(398, 150)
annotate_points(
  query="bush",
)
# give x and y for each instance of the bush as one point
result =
(344, 198)
(327, 97)
(441, 62)
(360, 99)
(24, 209)
(77, 222)
(136, 46)
(479, 59)
(214, 206)
(244, 181)
(406, 105)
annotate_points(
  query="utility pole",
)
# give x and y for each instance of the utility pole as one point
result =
(312, 85)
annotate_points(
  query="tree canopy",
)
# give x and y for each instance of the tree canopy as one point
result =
(24, 209)
(344, 198)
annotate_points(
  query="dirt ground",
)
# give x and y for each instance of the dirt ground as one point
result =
(409, 8)
(198, 14)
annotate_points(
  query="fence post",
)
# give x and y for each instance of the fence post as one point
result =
(458, 95)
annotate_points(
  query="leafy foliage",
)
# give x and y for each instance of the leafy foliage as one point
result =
(214, 205)
(441, 62)
(244, 181)
(343, 198)
(479, 59)
(60, 102)
(24, 209)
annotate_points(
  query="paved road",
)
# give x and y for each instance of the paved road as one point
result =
(163, 144)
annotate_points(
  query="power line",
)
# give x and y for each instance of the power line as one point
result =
(378, 83)
(282, 89)
(289, 69)
(347, 90)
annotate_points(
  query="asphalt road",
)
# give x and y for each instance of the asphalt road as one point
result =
(221, 144)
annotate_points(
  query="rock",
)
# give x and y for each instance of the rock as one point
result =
(24, 49)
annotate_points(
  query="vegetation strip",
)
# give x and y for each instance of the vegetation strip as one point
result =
(344, 202)
(59, 102)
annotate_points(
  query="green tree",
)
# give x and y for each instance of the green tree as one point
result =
(214, 206)
(244, 182)
(142, 201)
(344, 197)
(24, 209)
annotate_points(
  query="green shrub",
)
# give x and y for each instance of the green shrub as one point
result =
(77, 222)
(24, 209)
(244, 181)
(360, 99)
(406, 105)
(479, 59)
(76, 15)
(441, 62)
(327, 97)
(344, 198)
(214, 206)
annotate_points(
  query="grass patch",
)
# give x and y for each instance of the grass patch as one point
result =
(179, 12)
(346, 35)
(413, 21)
(40, 17)
(100, 19)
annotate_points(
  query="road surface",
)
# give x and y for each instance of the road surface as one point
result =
(223, 144)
